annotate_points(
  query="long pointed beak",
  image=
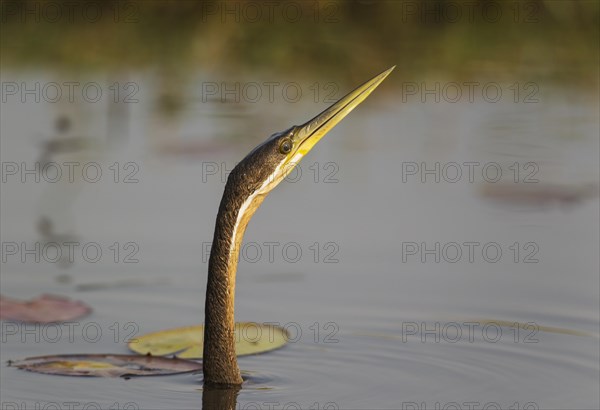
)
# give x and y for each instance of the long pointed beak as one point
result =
(309, 133)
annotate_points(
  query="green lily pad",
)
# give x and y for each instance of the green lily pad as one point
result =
(106, 365)
(187, 342)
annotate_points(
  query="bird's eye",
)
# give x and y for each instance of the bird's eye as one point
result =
(286, 146)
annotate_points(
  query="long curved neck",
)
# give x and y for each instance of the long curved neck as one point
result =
(219, 358)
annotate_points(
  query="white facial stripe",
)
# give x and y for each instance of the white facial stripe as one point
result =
(234, 242)
(239, 222)
(282, 170)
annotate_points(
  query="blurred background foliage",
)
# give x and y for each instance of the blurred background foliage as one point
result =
(550, 40)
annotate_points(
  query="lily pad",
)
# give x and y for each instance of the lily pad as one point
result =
(43, 309)
(106, 365)
(187, 342)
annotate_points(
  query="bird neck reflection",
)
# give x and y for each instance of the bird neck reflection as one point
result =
(220, 399)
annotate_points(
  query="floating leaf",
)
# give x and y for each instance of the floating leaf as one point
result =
(187, 342)
(43, 309)
(106, 365)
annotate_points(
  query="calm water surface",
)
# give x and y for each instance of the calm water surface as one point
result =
(388, 307)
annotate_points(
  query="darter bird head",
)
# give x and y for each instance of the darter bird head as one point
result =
(272, 160)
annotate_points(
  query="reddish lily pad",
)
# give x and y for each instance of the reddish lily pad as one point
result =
(43, 309)
(106, 365)
(188, 342)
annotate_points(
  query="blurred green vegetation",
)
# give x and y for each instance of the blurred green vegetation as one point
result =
(552, 40)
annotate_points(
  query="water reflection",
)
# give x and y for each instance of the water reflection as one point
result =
(539, 195)
(55, 223)
(172, 201)
(219, 399)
